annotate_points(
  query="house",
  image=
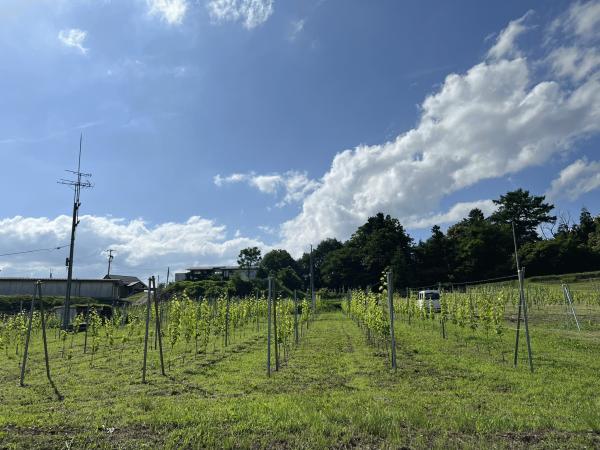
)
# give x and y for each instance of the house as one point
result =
(219, 272)
(128, 285)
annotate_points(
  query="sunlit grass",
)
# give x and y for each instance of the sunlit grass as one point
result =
(334, 391)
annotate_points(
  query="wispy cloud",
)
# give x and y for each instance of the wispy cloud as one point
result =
(251, 13)
(48, 137)
(296, 27)
(74, 38)
(578, 178)
(267, 229)
(581, 19)
(573, 38)
(171, 11)
(505, 42)
(293, 185)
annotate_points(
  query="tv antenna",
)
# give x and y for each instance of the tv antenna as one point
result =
(81, 181)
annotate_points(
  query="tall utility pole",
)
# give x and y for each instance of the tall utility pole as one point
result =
(312, 281)
(110, 258)
(80, 181)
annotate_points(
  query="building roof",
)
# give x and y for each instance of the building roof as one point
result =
(125, 279)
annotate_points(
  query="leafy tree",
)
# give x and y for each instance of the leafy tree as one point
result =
(433, 258)
(248, 258)
(289, 278)
(274, 261)
(586, 226)
(324, 248)
(343, 268)
(562, 254)
(380, 243)
(594, 238)
(481, 249)
(527, 212)
(241, 287)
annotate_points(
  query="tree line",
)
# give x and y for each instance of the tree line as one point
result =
(475, 248)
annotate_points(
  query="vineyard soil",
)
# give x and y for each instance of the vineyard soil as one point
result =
(334, 391)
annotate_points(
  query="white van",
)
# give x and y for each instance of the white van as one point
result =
(429, 300)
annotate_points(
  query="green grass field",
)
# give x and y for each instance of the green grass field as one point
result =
(335, 391)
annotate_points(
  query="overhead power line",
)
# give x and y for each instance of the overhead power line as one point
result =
(35, 251)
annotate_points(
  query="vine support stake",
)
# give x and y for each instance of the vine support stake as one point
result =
(27, 337)
(269, 328)
(37, 292)
(147, 326)
(158, 333)
(567, 293)
(390, 292)
(522, 307)
(296, 316)
(44, 339)
(526, 317)
(227, 319)
(312, 282)
(348, 302)
(87, 325)
(257, 314)
(275, 330)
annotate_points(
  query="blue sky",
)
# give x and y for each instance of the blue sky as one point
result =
(211, 125)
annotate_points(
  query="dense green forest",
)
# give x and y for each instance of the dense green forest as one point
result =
(475, 248)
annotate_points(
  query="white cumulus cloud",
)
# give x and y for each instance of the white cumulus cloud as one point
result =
(171, 11)
(251, 13)
(74, 38)
(491, 121)
(141, 248)
(578, 178)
